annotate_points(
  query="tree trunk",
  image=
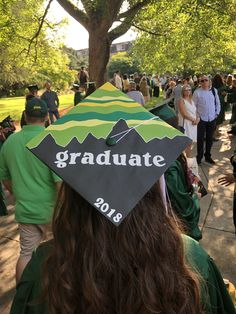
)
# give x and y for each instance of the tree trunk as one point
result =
(99, 54)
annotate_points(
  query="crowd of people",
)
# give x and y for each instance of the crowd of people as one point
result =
(199, 101)
(152, 262)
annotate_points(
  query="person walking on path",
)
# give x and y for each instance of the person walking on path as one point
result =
(177, 94)
(125, 83)
(135, 94)
(83, 78)
(188, 118)
(218, 83)
(52, 101)
(156, 86)
(31, 182)
(118, 80)
(207, 103)
(77, 95)
(144, 87)
(33, 92)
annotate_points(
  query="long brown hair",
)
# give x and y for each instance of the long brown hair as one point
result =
(138, 267)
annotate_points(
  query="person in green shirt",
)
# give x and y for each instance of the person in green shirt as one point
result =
(31, 182)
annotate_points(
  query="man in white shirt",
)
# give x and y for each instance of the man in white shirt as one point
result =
(207, 103)
(135, 94)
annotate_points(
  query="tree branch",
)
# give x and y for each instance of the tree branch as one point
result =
(147, 31)
(128, 19)
(35, 36)
(114, 8)
(50, 25)
(75, 12)
(134, 9)
(87, 6)
(207, 35)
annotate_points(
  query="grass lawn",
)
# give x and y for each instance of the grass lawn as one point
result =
(15, 105)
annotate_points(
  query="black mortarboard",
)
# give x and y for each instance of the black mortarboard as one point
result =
(33, 87)
(75, 86)
(110, 150)
(164, 111)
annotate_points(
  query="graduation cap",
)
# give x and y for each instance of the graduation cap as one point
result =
(110, 150)
(33, 87)
(75, 86)
(164, 111)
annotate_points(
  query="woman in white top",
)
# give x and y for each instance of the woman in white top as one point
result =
(188, 118)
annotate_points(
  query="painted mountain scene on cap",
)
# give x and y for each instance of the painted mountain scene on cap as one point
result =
(112, 178)
(110, 150)
(97, 115)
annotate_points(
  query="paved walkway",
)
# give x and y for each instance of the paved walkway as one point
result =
(216, 221)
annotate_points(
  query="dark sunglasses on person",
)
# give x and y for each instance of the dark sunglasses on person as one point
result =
(204, 80)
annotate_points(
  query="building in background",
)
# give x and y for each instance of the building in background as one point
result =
(115, 48)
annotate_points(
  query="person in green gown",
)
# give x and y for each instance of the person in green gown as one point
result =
(218, 83)
(143, 266)
(77, 95)
(183, 199)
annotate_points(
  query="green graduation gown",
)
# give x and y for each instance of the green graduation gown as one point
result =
(215, 297)
(223, 105)
(186, 206)
(77, 98)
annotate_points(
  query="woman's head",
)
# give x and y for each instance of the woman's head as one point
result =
(229, 80)
(217, 81)
(186, 91)
(138, 267)
(172, 84)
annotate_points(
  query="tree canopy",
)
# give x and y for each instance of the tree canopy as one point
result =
(123, 62)
(178, 36)
(28, 52)
(98, 17)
